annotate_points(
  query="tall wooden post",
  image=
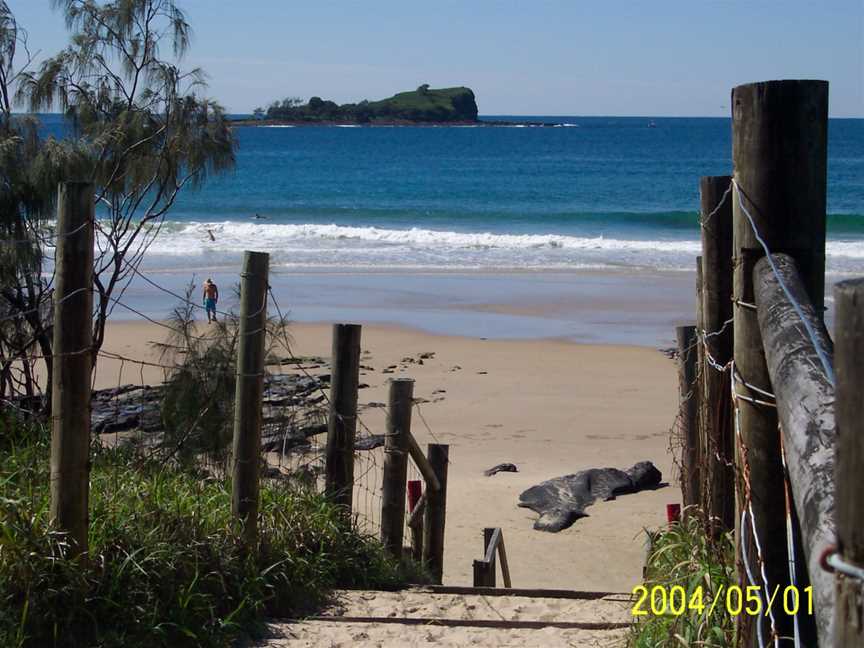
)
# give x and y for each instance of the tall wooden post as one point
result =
(246, 445)
(699, 390)
(72, 363)
(396, 464)
(342, 422)
(689, 407)
(779, 150)
(849, 370)
(436, 504)
(716, 209)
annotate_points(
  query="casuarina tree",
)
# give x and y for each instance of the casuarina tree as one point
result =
(141, 129)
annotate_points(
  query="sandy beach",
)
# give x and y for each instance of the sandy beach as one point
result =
(551, 407)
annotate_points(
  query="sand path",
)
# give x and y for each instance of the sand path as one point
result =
(421, 618)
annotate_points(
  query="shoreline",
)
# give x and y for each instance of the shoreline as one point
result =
(593, 307)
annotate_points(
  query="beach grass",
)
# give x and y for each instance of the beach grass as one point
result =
(166, 566)
(684, 556)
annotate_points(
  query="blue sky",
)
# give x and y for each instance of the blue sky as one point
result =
(535, 57)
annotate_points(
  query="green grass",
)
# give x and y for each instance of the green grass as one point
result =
(682, 554)
(165, 567)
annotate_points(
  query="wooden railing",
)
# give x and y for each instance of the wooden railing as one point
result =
(484, 569)
(764, 361)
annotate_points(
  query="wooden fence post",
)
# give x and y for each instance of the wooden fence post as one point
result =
(716, 209)
(342, 421)
(689, 407)
(849, 369)
(779, 150)
(246, 444)
(72, 363)
(436, 504)
(699, 391)
(396, 464)
(484, 572)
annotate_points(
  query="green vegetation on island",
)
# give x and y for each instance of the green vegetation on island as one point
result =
(422, 105)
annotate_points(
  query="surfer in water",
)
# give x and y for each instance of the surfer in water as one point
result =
(211, 296)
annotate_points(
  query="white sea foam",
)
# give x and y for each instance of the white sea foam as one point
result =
(231, 235)
(330, 245)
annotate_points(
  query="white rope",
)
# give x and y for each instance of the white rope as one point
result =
(823, 356)
(836, 561)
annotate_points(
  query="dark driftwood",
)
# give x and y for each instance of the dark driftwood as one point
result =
(849, 337)
(563, 500)
(805, 405)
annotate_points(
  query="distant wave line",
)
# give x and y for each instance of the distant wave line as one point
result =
(192, 237)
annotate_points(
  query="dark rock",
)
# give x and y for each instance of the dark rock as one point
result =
(369, 442)
(563, 500)
(502, 467)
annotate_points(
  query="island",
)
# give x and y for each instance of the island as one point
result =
(424, 105)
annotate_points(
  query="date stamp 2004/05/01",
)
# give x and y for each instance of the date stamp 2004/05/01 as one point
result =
(751, 600)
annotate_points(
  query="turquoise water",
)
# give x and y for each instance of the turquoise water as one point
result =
(597, 192)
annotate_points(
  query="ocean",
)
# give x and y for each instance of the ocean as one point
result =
(410, 224)
(596, 192)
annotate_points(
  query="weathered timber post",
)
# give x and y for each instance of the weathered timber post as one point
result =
(716, 208)
(488, 533)
(246, 444)
(699, 388)
(779, 150)
(689, 407)
(396, 464)
(849, 367)
(484, 570)
(805, 406)
(416, 500)
(436, 504)
(342, 421)
(72, 364)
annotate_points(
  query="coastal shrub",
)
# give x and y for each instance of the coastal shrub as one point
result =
(165, 566)
(683, 554)
(197, 406)
(198, 393)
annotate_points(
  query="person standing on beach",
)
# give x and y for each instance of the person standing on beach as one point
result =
(211, 296)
